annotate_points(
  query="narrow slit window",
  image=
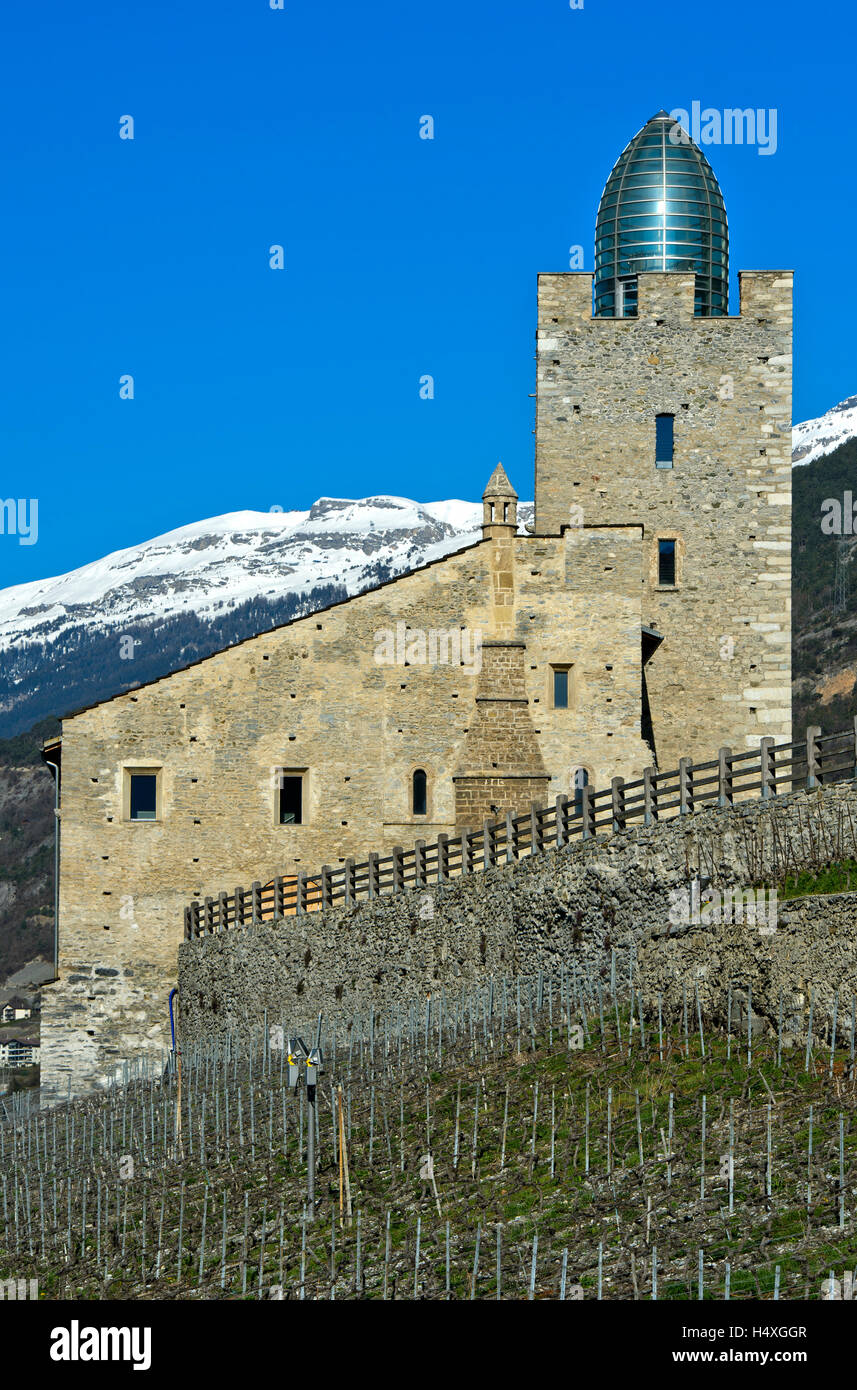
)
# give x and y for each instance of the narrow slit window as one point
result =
(664, 441)
(666, 563)
(420, 793)
(560, 687)
(143, 796)
(291, 800)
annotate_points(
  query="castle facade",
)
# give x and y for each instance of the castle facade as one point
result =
(643, 617)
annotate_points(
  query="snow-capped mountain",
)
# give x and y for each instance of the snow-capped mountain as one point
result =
(814, 438)
(203, 586)
(243, 555)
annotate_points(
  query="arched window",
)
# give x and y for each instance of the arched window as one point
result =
(420, 793)
(581, 780)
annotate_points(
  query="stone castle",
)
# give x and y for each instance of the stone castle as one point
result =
(643, 617)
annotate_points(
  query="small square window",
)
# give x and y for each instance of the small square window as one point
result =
(290, 807)
(666, 563)
(143, 796)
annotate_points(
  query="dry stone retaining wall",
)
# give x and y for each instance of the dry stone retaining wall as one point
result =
(571, 907)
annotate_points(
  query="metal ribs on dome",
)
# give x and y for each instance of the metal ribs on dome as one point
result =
(661, 209)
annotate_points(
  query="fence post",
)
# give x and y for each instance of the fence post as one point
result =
(587, 810)
(537, 830)
(617, 797)
(279, 897)
(561, 827)
(372, 875)
(650, 795)
(511, 839)
(420, 864)
(255, 898)
(489, 851)
(349, 882)
(398, 869)
(188, 920)
(768, 775)
(466, 852)
(239, 907)
(724, 777)
(209, 916)
(222, 912)
(300, 898)
(813, 761)
(685, 785)
(326, 887)
(442, 858)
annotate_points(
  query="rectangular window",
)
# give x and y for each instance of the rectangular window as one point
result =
(666, 563)
(664, 441)
(143, 796)
(291, 800)
(560, 687)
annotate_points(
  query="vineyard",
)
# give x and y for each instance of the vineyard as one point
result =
(535, 1139)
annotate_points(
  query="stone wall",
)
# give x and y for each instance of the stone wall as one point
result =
(723, 672)
(312, 698)
(573, 907)
(811, 954)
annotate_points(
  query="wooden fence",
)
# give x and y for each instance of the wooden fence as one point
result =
(764, 772)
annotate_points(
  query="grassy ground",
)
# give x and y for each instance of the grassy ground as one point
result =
(840, 877)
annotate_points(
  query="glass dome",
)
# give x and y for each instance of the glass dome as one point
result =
(661, 209)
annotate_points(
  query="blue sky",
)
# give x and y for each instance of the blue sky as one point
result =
(403, 257)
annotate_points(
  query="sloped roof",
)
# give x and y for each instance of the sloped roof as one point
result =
(498, 485)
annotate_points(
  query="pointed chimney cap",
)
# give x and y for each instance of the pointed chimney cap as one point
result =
(498, 485)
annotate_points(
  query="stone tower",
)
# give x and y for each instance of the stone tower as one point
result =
(681, 420)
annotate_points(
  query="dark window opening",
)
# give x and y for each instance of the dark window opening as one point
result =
(664, 441)
(666, 563)
(144, 796)
(420, 793)
(560, 688)
(291, 800)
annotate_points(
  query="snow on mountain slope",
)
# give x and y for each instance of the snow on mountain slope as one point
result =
(229, 559)
(814, 438)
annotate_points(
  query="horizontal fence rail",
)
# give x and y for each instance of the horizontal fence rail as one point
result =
(764, 772)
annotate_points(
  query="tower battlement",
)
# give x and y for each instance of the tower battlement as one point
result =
(565, 299)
